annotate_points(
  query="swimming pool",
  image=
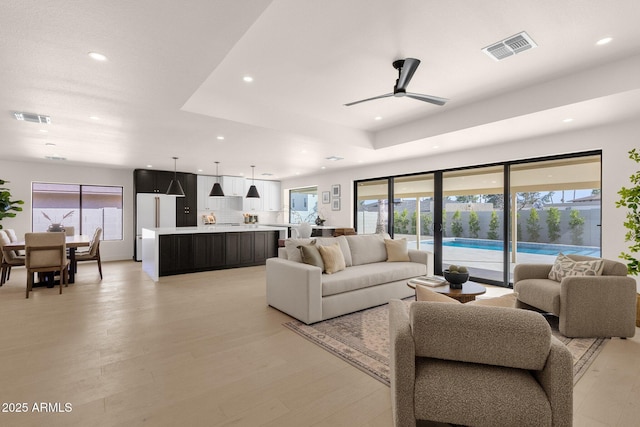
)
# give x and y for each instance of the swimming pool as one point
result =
(524, 247)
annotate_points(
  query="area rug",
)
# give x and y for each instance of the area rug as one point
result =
(362, 339)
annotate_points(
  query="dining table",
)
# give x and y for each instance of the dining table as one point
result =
(72, 243)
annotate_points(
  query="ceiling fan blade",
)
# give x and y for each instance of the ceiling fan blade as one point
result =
(427, 98)
(386, 95)
(406, 73)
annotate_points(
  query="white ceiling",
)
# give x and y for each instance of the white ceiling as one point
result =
(173, 80)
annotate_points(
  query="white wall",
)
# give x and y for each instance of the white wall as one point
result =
(614, 140)
(21, 174)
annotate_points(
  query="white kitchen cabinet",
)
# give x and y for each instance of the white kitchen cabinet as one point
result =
(272, 196)
(233, 185)
(205, 182)
(251, 204)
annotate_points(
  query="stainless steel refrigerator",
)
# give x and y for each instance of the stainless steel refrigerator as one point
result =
(153, 211)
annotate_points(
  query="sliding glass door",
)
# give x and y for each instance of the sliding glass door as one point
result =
(413, 210)
(473, 221)
(557, 208)
(490, 218)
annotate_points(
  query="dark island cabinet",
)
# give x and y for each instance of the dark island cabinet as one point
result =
(239, 248)
(265, 246)
(176, 254)
(208, 251)
(189, 253)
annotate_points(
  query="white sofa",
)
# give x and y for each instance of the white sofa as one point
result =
(304, 292)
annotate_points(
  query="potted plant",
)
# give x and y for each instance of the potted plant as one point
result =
(630, 199)
(6, 204)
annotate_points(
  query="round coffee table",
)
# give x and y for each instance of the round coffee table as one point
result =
(467, 293)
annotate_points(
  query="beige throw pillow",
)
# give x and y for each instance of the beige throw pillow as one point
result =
(507, 300)
(423, 293)
(292, 247)
(332, 258)
(397, 250)
(310, 255)
(565, 266)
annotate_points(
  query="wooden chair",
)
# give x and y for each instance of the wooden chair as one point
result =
(46, 253)
(93, 254)
(69, 231)
(8, 258)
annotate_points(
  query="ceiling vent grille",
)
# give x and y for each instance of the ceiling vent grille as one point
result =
(510, 46)
(33, 118)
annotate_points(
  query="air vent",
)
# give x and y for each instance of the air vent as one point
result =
(510, 46)
(55, 158)
(33, 118)
(334, 158)
(267, 174)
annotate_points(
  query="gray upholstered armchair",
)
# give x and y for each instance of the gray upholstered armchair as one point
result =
(477, 365)
(587, 306)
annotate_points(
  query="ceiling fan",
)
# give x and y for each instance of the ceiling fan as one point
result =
(406, 68)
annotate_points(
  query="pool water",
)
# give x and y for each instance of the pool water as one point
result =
(523, 247)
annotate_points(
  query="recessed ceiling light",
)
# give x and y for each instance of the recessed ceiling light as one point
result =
(50, 144)
(297, 173)
(199, 170)
(567, 120)
(436, 146)
(323, 167)
(604, 41)
(44, 130)
(241, 173)
(220, 137)
(247, 79)
(377, 118)
(97, 56)
(149, 166)
(334, 158)
(94, 117)
(360, 161)
(303, 151)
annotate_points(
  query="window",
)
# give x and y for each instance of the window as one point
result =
(84, 207)
(303, 204)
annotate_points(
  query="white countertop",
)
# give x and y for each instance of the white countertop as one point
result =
(215, 229)
(319, 227)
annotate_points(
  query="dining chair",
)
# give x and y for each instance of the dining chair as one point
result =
(69, 231)
(46, 253)
(8, 258)
(93, 254)
(13, 238)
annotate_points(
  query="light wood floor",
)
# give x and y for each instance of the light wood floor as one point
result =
(205, 350)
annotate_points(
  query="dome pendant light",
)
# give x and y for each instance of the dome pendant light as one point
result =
(253, 191)
(216, 190)
(175, 189)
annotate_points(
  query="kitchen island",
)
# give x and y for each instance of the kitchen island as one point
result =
(179, 250)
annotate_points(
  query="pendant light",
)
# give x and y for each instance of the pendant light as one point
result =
(253, 191)
(175, 189)
(216, 190)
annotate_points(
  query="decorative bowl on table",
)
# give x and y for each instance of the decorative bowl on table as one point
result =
(456, 276)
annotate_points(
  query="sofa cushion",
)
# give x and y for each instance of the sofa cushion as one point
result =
(396, 250)
(565, 266)
(478, 394)
(364, 276)
(540, 293)
(311, 255)
(292, 248)
(344, 247)
(332, 258)
(367, 248)
(425, 294)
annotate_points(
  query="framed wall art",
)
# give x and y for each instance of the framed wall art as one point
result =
(335, 190)
(326, 197)
(335, 204)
